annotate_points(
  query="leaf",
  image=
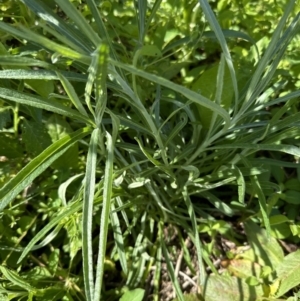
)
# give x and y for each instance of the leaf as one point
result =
(57, 129)
(291, 197)
(278, 219)
(4, 117)
(134, 295)
(288, 273)
(267, 249)
(41, 87)
(38, 102)
(87, 215)
(228, 288)
(242, 268)
(9, 147)
(35, 137)
(191, 95)
(16, 279)
(206, 85)
(107, 199)
(36, 166)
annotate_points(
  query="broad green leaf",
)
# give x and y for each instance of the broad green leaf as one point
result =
(54, 261)
(35, 137)
(281, 231)
(42, 87)
(291, 197)
(4, 117)
(58, 128)
(36, 166)
(266, 248)
(242, 268)
(206, 85)
(10, 147)
(278, 219)
(288, 273)
(228, 288)
(134, 295)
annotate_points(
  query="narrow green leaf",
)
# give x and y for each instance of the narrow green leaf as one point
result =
(38, 165)
(107, 196)
(35, 137)
(101, 57)
(220, 36)
(29, 35)
(72, 94)
(223, 207)
(52, 223)
(65, 32)
(16, 279)
(171, 271)
(39, 74)
(87, 215)
(77, 17)
(252, 91)
(288, 149)
(262, 203)
(189, 94)
(41, 103)
(192, 215)
(118, 238)
(21, 61)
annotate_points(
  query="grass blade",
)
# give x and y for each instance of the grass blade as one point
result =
(87, 216)
(171, 271)
(107, 195)
(192, 215)
(72, 94)
(189, 94)
(79, 20)
(38, 165)
(73, 208)
(220, 36)
(38, 102)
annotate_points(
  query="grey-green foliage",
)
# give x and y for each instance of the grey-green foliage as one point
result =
(157, 164)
